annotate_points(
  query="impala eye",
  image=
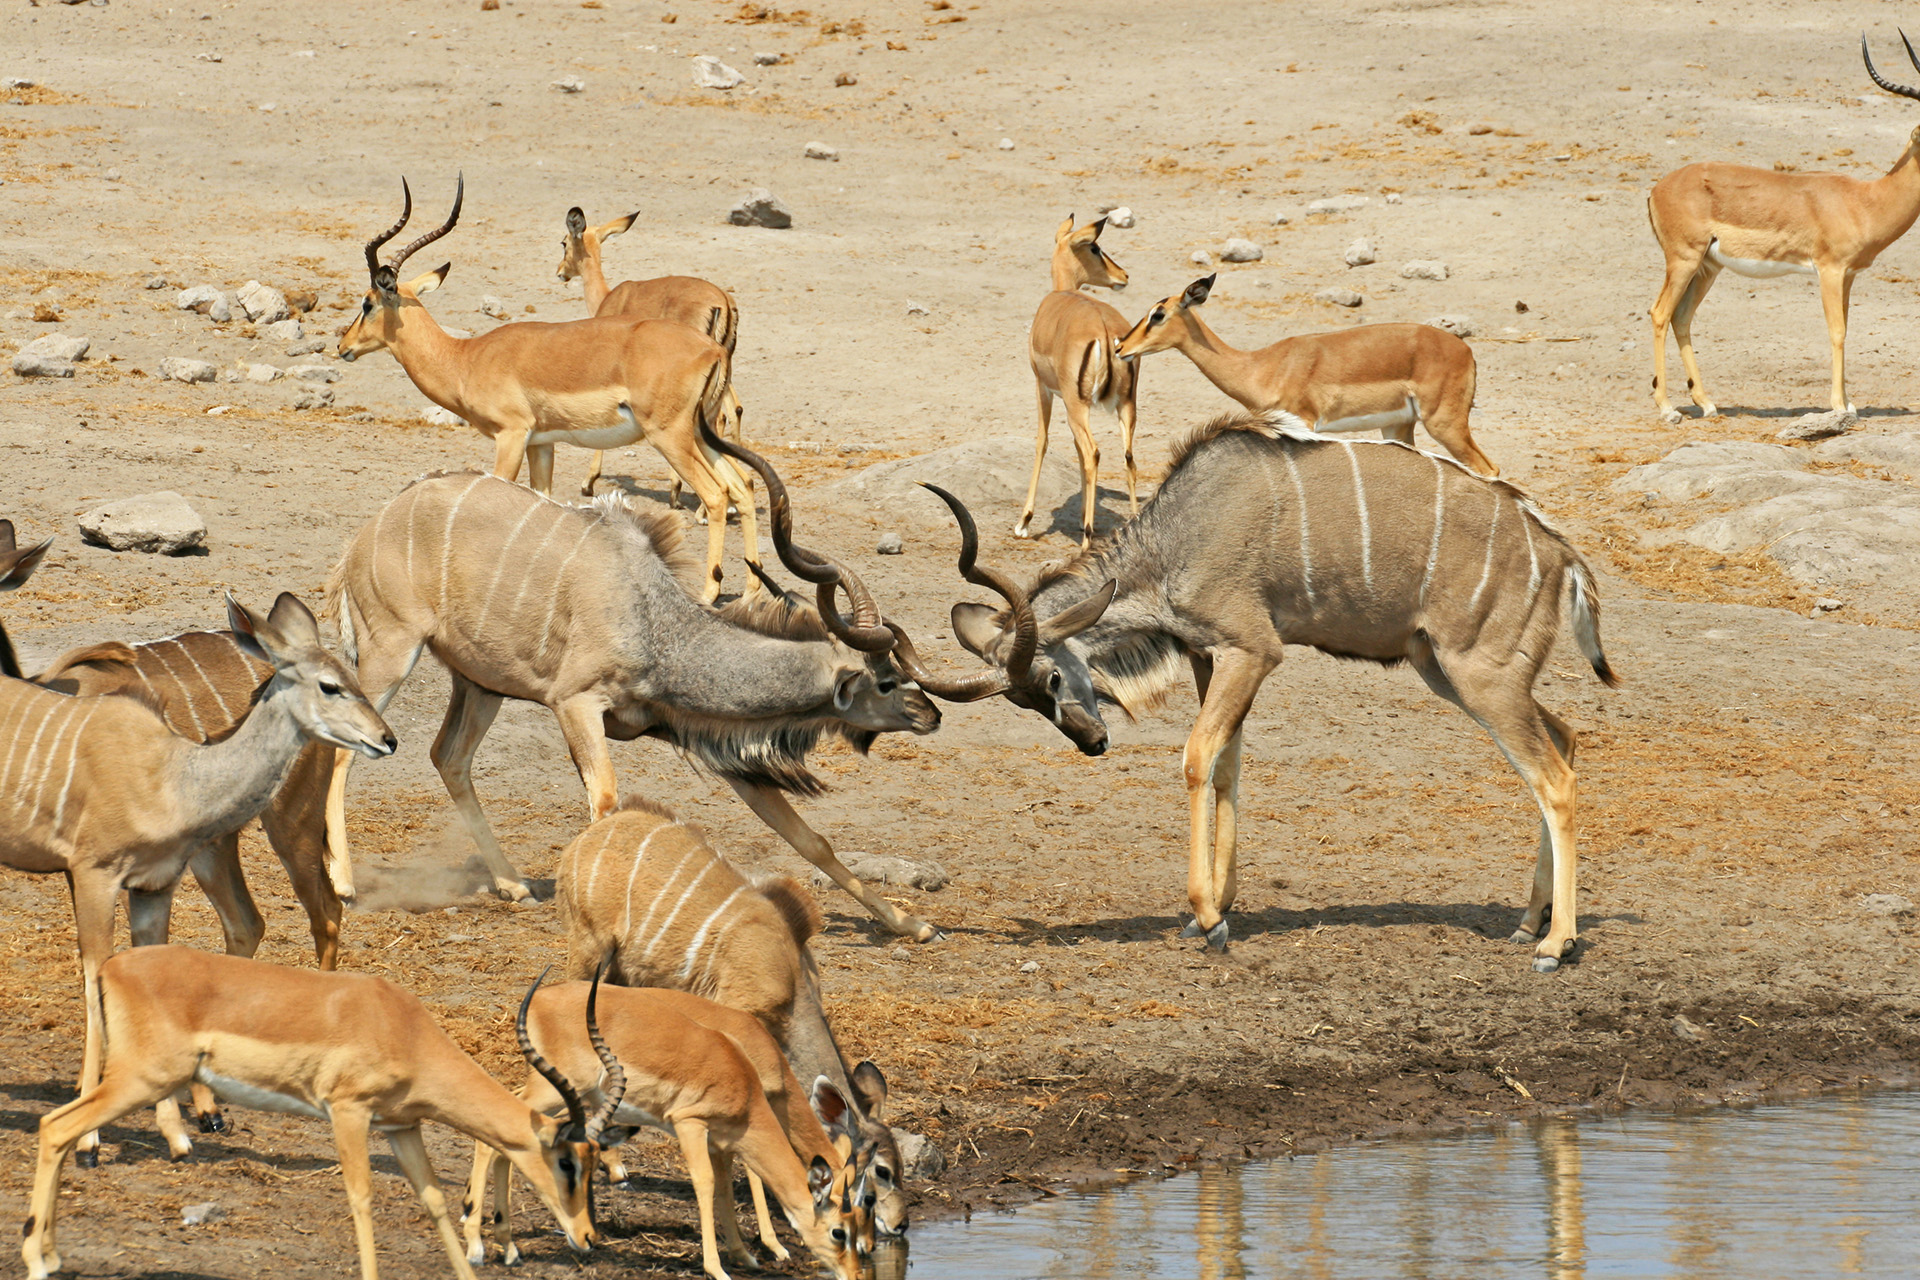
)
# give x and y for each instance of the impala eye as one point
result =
(839, 1235)
(1159, 316)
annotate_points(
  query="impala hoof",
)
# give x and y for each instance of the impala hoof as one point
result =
(1545, 964)
(1672, 417)
(212, 1122)
(87, 1159)
(512, 890)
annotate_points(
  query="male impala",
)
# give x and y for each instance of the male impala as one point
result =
(599, 384)
(16, 566)
(350, 1048)
(1070, 349)
(1385, 376)
(686, 300)
(101, 790)
(1758, 222)
(1264, 535)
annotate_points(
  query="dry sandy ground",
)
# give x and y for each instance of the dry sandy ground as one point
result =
(1752, 780)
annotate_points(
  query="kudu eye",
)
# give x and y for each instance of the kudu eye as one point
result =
(886, 685)
(329, 688)
(1054, 682)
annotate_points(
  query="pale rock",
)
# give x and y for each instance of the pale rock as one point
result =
(263, 303)
(916, 308)
(1393, 197)
(1238, 250)
(1458, 326)
(1686, 1029)
(32, 366)
(1339, 204)
(923, 1159)
(1827, 604)
(152, 522)
(1281, 219)
(287, 330)
(261, 373)
(156, 282)
(1360, 253)
(490, 305)
(183, 369)
(1005, 144)
(1819, 426)
(198, 298)
(1120, 216)
(1424, 269)
(711, 73)
(18, 82)
(439, 417)
(890, 544)
(306, 347)
(1201, 258)
(1031, 966)
(821, 151)
(1874, 904)
(314, 373)
(313, 398)
(766, 59)
(1339, 297)
(195, 1215)
(985, 474)
(887, 868)
(571, 84)
(57, 346)
(761, 209)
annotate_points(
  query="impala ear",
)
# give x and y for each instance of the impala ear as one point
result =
(1064, 230)
(430, 281)
(1074, 619)
(820, 1181)
(384, 281)
(576, 222)
(1196, 293)
(974, 628)
(618, 225)
(1087, 234)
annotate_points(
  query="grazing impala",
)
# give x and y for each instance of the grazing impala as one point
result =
(586, 610)
(686, 300)
(16, 566)
(350, 1048)
(651, 899)
(599, 384)
(1374, 376)
(1264, 535)
(103, 791)
(1759, 222)
(1070, 349)
(694, 1082)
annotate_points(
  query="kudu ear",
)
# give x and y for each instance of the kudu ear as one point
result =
(1074, 619)
(1196, 293)
(7, 543)
(974, 627)
(252, 632)
(618, 225)
(292, 622)
(871, 1086)
(576, 222)
(830, 1106)
(22, 563)
(430, 281)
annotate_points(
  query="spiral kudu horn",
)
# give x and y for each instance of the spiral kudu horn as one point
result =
(373, 245)
(613, 1087)
(576, 1111)
(1026, 629)
(1883, 82)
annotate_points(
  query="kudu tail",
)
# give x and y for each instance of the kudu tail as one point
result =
(337, 603)
(1586, 624)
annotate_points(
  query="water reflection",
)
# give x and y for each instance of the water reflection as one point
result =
(1828, 1188)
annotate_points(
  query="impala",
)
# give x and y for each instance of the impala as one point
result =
(1374, 376)
(1264, 535)
(599, 384)
(103, 791)
(349, 1048)
(1070, 349)
(16, 566)
(686, 300)
(697, 1084)
(649, 898)
(1759, 222)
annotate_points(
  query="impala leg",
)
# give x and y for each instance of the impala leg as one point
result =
(93, 903)
(1836, 294)
(764, 1219)
(1690, 300)
(1235, 679)
(1023, 529)
(411, 1152)
(122, 1091)
(470, 713)
(583, 725)
(693, 1145)
(772, 808)
(473, 1214)
(509, 451)
(1127, 417)
(726, 1208)
(1680, 273)
(740, 494)
(350, 1141)
(295, 821)
(148, 915)
(593, 473)
(1447, 423)
(689, 460)
(1083, 444)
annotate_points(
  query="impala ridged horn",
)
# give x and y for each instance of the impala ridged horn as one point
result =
(1881, 80)
(613, 1086)
(576, 1110)
(867, 632)
(406, 211)
(1026, 629)
(459, 197)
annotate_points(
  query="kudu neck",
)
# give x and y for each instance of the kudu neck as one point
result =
(223, 784)
(702, 674)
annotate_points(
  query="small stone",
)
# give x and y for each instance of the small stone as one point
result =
(1827, 604)
(1339, 297)
(1479, 130)
(198, 298)
(916, 309)
(182, 369)
(1339, 204)
(1423, 269)
(1819, 426)
(1237, 250)
(314, 373)
(923, 1159)
(1031, 966)
(1120, 216)
(156, 282)
(1201, 258)
(307, 347)
(900, 953)
(313, 398)
(1458, 326)
(152, 522)
(261, 373)
(821, 151)
(57, 346)
(1393, 197)
(1005, 144)
(845, 80)
(1360, 253)
(760, 209)
(1281, 219)
(196, 1214)
(231, 375)
(439, 417)
(1878, 904)
(572, 84)
(494, 307)
(711, 73)
(287, 330)
(18, 82)
(766, 59)
(886, 868)
(1688, 1030)
(31, 366)
(263, 303)
(889, 545)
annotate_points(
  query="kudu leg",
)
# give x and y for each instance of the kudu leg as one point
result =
(93, 902)
(1235, 680)
(470, 713)
(772, 808)
(1024, 528)
(295, 821)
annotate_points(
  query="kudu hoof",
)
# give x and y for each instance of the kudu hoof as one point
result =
(1216, 937)
(512, 890)
(87, 1159)
(1523, 938)
(1545, 964)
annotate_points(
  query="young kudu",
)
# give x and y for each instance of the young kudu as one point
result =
(687, 300)
(1388, 377)
(16, 566)
(599, 383)
(1760, 222)
(1070, 349)
(349, 1048)
(103, 791)
(651, 899)
(681, 1076)
(586, 610)
(1265, 535)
